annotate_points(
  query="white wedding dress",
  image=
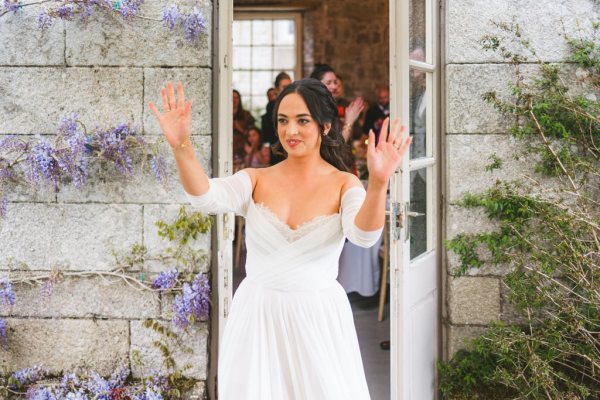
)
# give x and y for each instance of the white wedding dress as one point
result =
(290, 333)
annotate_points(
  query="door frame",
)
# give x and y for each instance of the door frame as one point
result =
(400, 262)
(222, 165)
(222, 234)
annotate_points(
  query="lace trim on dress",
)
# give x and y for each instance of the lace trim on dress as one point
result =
(291, 235)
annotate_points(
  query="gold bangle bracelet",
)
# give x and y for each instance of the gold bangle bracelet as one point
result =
(187, 142)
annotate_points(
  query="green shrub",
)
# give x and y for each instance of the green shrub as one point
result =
(548, 235)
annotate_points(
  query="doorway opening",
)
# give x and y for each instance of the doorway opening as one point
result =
(358, 42)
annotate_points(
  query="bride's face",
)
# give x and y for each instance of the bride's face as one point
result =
(298, 131)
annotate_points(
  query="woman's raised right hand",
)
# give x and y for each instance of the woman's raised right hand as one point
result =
(176, 119)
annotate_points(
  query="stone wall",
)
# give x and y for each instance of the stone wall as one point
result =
(350, 35)
(474, 131)
(107, 71)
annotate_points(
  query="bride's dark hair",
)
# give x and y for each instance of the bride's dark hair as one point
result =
(323, 109)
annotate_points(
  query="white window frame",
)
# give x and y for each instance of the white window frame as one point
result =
(275, 15)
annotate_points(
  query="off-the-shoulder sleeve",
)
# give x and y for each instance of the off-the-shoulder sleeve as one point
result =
(229, 194)
(351, 202)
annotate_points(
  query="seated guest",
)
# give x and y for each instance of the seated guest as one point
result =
(242, 120)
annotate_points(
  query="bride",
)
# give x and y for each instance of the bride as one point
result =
(290, 332)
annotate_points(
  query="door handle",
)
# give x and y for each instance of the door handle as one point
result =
(412, 214)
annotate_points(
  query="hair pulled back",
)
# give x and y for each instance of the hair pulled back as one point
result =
(323, 109)
(281, 76)
(320, 70)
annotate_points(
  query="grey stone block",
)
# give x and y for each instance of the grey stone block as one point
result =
(143, 186)
(34, 100)
(473, 301)
(197, 86)
(467, 157)
(155, 244)
(62, 345)
(73, 236)
(541, 22)
(108, 40)
(459, 335)
(142, 348)
(81, 297)
(24, 44)
(467, 21)
(466, 220)
(466, 110)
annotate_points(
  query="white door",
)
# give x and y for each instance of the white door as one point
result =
(224, 160)
(414, 258)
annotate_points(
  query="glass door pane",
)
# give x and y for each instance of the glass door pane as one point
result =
(417, 212)
(417, 28)
(418, 113)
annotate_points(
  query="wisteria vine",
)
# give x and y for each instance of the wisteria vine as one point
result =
(66, 158)
(90, 386)
(191, 306)
(190, 22)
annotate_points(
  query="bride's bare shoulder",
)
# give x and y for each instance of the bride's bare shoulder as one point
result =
(256, 174)
(347, 180)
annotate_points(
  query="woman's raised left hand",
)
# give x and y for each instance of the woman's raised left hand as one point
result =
(384, 159)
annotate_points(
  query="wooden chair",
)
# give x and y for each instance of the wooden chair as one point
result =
(239, 223)
(384, 269)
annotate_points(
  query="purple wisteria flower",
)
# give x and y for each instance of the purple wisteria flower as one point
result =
(114, 146)
(40, 394)
(47, 288)
(77, 395)
(44, 21)
(154, 387)
(165, 280)
(193, 304)
(69, 382)
(192, 24)
(67, 158)
(119, 377)
(27, 376)
(98, 386)
(12, 143)
(128, 8)
(170, 16)
(42, 162)
(158, 166)
(148, 394)
(72, 160)
(69, 9)
(66, 11)
(3, 332)
(101, 388)
(7, 296)
(12, 5)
